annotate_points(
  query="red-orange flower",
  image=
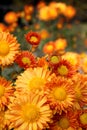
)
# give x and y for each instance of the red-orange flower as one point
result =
(64, 68)
(65, 121)
(82, 118)
(33, 38)
(26, 59)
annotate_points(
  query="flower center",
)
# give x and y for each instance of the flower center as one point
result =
(4, 48)
(59, 94)
(26, 60)
(31, 113)
(33, 39)
(64, 123)
(63, 70)
(54, 59)
(36, 83)
(2, 89)
(83, 119)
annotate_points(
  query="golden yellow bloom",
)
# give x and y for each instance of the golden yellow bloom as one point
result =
(9, 48)
(73, 58)
(53, 13)
(29, 112)
(60, 44)
(6, 91)
(61, 7)
(43, 13)
(33, 78)
(60, 94)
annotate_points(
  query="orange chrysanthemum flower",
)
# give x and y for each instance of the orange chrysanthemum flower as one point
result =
(33, 38)
(70, 12)
(60, 44)
(82, 118)
(9, 48)
(26, 59)
(10, 17)
(53, 13)
(80, 88)
(64, 68)
(6, 91)
(73, 58)
(60, 94)
(43, 13)
(48, 48)
(29, 112)
(65, 121)
(33, 78)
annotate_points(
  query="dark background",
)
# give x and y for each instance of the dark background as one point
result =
(7, 5)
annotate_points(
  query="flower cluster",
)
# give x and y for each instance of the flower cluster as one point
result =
(40, 12)
(50, 93)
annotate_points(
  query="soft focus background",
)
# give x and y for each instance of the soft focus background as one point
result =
(71, 26)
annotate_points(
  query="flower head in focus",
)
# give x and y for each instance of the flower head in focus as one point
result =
(33, 79)
(9, 48)
(64, 68)
(60, 94)
(29, 112)
(26, 59)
